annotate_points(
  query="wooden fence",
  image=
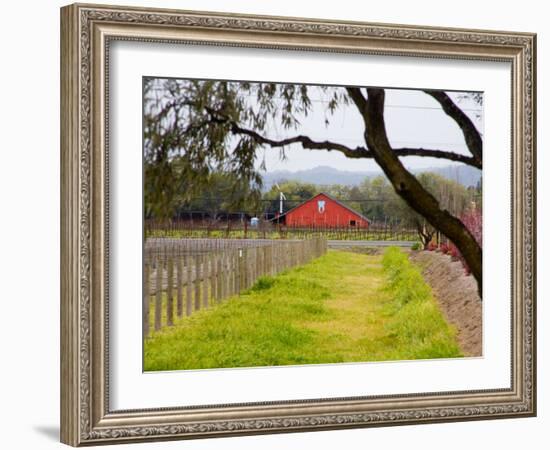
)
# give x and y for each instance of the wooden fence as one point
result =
(183, 276)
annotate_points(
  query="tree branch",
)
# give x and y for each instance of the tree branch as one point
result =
(307, 143)
(357, 152)
(471, 135)
(358, 98)
(437, 154)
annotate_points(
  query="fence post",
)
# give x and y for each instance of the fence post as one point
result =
(247, 258)
(233, 260)
(278, 258)
(169, 291)
(290, 249)
(260, 271)
(268, 260)
(288, 255)
(219, 277)
(264, 261)
(213, 274)
(258, 263)
(242, 255)
(197, 283)
(146, 300)
(235, 263)
(225, 275)
(179, 283)
(205, 278)
(188, 286)
(255, 266)
(252, 266)
(158, 294)
(240, 272)
(244, 263)
(231, 268)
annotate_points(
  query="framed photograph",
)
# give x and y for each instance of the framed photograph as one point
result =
(280, 224)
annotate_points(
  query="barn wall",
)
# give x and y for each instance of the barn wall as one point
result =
(334, 215)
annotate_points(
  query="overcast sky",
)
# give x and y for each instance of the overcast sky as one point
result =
(413, 119)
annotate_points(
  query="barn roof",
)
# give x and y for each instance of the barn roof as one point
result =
(331, 198)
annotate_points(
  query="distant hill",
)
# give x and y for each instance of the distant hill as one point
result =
(466, 175)
(318, 175)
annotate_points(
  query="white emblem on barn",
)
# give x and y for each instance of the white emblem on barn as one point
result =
(321, 206)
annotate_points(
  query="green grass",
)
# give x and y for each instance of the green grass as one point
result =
(342, 307)
(417, 328)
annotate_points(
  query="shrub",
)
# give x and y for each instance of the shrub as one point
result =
(453, 251)
(432, 246)
(444, 248)
(473, 220)
(416, 246)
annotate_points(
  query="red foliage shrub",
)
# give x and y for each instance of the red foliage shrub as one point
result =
(453, 251)
(473, 220)
(432, 246)
(444, 248)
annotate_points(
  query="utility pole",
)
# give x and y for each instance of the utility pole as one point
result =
(281, 198)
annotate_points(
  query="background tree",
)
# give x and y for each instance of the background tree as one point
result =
(452, 196)
(295, 193)
(222, 193)
(379, 192)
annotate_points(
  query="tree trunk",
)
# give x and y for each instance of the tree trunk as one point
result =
(407, 186)
(425, 235)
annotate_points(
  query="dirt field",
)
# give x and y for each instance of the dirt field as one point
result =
(457, 295)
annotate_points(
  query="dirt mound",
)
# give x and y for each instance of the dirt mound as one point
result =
(457, 295)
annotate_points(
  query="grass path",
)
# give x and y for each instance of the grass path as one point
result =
(338, 308)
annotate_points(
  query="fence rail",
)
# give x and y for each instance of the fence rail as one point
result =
(184, 246)
(183, 276)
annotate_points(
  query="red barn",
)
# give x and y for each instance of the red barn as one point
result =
(323, 211)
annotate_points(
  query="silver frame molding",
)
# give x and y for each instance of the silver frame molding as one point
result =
(86, 31)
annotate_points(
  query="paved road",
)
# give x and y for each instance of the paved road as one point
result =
(345, 244)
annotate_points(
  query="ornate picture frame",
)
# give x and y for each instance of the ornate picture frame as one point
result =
(87, 31)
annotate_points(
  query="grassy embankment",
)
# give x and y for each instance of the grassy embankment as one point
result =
(342, 307)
